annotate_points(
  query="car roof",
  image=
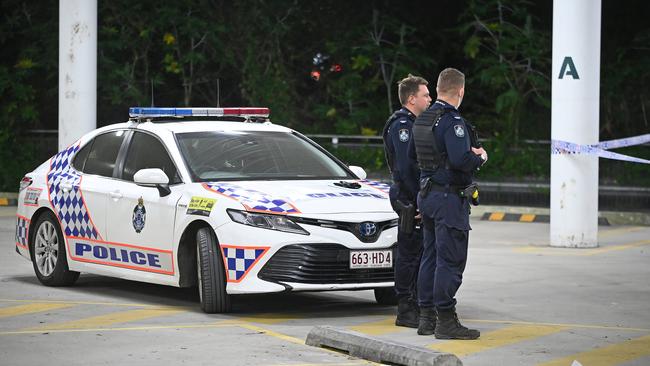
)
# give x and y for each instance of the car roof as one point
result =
(188, 125)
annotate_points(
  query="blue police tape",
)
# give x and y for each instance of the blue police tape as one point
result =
(600, 149)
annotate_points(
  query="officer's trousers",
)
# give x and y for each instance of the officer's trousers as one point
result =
(407, 262)
(444, 253)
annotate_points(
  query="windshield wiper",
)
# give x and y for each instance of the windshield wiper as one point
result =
(351, 185)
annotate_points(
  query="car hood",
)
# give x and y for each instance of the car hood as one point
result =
(306, 196)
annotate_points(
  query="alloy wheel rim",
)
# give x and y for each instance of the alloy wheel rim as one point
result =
(46, 248)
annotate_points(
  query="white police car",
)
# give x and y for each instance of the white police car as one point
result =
(218, 198)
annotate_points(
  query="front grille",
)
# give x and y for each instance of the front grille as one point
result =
(319, 264)
(353, 227)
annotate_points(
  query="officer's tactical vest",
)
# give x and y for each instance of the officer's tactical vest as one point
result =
(397, 114)
(426, 148)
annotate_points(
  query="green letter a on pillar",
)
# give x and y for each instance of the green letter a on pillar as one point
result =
(568, 68)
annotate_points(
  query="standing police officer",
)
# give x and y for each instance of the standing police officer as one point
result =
(447, 162)
(415, 99)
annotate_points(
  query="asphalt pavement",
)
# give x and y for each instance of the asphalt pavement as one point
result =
(534, 305)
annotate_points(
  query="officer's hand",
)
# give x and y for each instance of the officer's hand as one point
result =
(418, 216)
(481, 152)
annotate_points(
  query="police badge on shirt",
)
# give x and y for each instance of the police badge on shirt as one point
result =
(139, 216)
(404, 135)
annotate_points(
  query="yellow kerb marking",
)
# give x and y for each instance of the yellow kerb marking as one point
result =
(527, 218)
(267, 318)
(31, 308)
(4, 202)
(104, 321)
(497, 216)
(579, 251)
(610, 355)
(497, 338)
(380, 327)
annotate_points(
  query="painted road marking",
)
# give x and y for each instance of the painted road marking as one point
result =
(497, 216)
(31, 308)
(498, 338)
(579, 251)
(117, 329)
(104, 321)
(610, 355)
(527, 217)
(268, 318)
(98, 303)
(379, 327)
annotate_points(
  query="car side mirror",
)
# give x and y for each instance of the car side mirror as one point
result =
(153, 177)
(358, 171)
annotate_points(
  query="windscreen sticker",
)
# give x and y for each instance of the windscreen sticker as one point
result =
(251, 199)
(201, 206)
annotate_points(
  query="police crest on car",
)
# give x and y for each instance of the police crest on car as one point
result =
(139, 216)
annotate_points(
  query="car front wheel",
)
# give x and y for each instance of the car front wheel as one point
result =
(211, 273)
(48, 253)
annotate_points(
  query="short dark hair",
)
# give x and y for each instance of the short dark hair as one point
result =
(450, 80)
(408, 86)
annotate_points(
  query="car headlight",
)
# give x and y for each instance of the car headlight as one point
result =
(265, 221)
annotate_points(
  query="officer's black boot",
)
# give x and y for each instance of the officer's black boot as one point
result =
(428, 319)
(407, 313)
(449, 327)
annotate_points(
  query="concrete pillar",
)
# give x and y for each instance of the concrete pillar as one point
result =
(77, 69)
(575, 118)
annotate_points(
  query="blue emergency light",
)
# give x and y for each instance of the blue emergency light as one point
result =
(153, 112)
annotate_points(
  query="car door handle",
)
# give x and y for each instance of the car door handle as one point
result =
(115, 195)
(66, 187)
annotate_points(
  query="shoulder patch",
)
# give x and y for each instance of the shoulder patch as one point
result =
(459, 130)
(404, 135)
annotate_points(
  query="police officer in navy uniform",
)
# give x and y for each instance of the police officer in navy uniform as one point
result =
(447, 162)
(415, 99)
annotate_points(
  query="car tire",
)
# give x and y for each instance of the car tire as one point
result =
(386, 296)
(211, 274)
(47, 249)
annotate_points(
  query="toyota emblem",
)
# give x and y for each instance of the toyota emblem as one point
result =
(367, 229)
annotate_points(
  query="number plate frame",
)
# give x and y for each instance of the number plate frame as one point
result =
(365, 259)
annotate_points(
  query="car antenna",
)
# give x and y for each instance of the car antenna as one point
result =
(152, 102)
(218, 92)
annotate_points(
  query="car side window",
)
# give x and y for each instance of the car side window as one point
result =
(103, 153)
(80, 159)
(145, 152)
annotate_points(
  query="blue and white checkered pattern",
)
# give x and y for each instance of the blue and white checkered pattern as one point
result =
(378, 185)
(69, 206)
(252, 199)
(22, 226)
(240, 260)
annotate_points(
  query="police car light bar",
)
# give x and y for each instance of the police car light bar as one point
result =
(146, 112)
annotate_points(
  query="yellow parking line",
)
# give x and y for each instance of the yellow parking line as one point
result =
(494, 339)
(580, 252)
(527, 217)
(380, 327)
(564, 325)
(267, 318)
(31, 308)
(497, 216)
(103, 321)
(97, 303)
(151, 327)
(609, 355)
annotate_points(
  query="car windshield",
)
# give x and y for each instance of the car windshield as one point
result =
(255, 155)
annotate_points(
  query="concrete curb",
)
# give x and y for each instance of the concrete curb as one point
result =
(527, 217)
(378, 350)
(8, 198)
(524, 214)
